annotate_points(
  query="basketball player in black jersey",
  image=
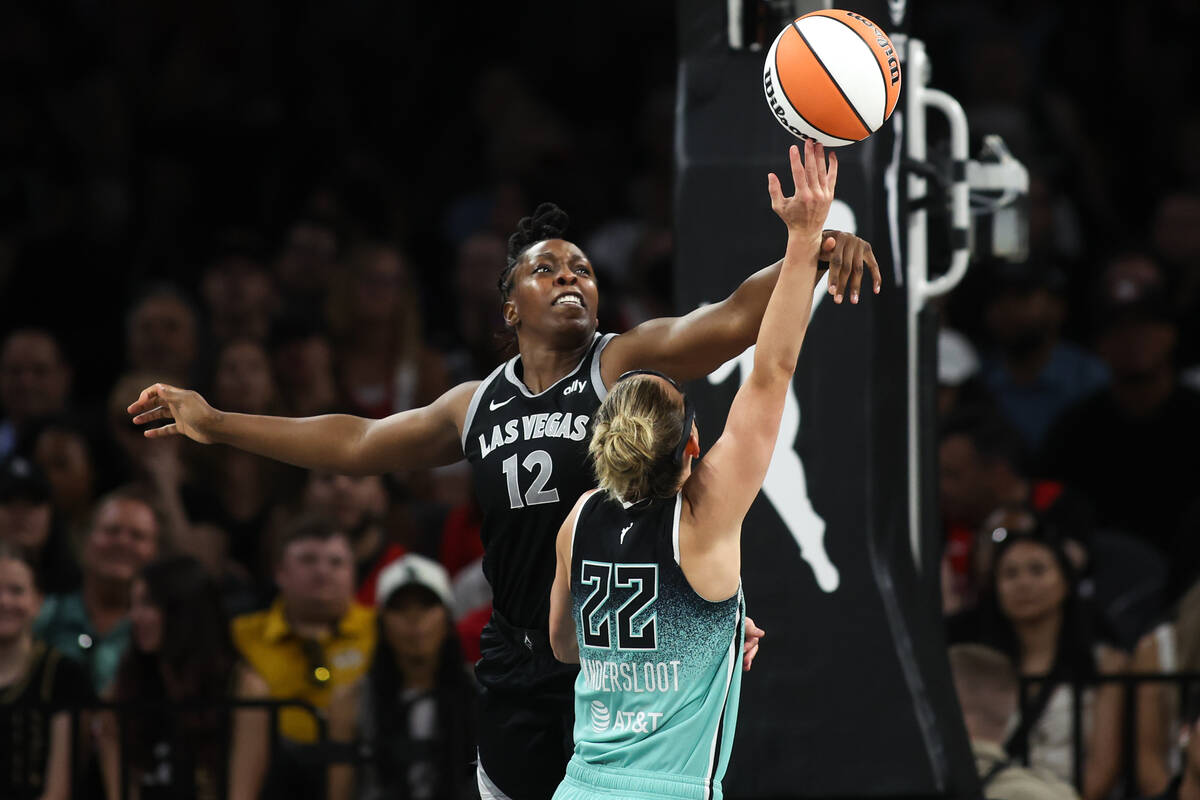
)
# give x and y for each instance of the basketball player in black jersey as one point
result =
(524, 431)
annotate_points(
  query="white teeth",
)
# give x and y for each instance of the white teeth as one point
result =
(568, 298)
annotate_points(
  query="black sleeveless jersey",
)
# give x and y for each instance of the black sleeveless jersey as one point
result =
(529, 463)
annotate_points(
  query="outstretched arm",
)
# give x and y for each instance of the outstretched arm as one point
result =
(695, 344)
(721, 489)
(414, 439)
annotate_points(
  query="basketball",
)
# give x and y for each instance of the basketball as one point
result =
(832, 76)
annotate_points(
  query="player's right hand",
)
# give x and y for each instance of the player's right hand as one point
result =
(805, 211)
(188, 412)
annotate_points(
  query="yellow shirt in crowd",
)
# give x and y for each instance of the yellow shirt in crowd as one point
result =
(295, 669)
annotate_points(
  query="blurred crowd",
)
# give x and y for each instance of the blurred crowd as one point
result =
(287, 214)
(1069, 441)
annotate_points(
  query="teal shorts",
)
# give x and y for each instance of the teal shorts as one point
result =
(585, 782)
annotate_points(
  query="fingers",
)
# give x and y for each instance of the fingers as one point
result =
(839, 269)
(856, 273)
(154, 414)
(170, 429)
(813, 154)
(774, 189)
(798, 178)
(873, 265)
(147, 399)
(748, 659)
(831, 177)
(753, 631)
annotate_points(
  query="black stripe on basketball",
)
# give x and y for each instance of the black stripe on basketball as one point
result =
(833, 80)
(883, 75)
(792, 105)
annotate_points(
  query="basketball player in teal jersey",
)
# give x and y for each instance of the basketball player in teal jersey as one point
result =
(523, 430)
(647, 594)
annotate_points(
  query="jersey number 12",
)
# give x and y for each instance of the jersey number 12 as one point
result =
(538, 462)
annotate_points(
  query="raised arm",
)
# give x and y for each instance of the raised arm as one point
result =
(693, 345)
(414, 439)
(564, 641)
(722, 487)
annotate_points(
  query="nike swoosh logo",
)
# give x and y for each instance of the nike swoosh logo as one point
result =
(493, 405)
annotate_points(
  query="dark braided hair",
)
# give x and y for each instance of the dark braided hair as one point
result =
(548, 222)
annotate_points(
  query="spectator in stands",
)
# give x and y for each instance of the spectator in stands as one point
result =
(375, 320)
(479, 330)
(981, 468)
(240, 493)
(162, 471)
(64, 453)
(92, 625)
(239, 293)
(413, 714)
(181, 652)
(306, 264)
(1185, 783)
(358, 505)
(28, 522)
(987, 689)
(161, 334)
(1175, 238)
(1131, 447)
(1036, 616)
(314, 637)
(1173, 646)
(35, 382)
(302, 360)
(958, 379)
(1034, 374)
(37, 688)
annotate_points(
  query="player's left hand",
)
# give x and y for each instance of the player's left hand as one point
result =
(847, 254)
(749, 650)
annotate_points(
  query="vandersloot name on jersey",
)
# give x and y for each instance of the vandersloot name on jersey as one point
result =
(561, 425)
(630, 676)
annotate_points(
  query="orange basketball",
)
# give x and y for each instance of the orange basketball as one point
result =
(832, 76)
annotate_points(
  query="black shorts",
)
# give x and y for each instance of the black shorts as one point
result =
(526, 711)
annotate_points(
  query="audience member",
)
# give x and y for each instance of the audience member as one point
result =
(1175, 239)
(1185, 783)
(239, 295)
(314, 637)
(374, 315)
(413, 713)
(1034, 374)
(28, 522)
(63, 451)
(306, 263)
(1131, 447)
(162, 335)
(958, 381)
(35, 382)
(1173, 646)
(302, 361)
(91, 625)
(181, 653)
(479, 330)
(1036, 616)
(987, 689)
(38, 688)
(981, 468)
(358, 505)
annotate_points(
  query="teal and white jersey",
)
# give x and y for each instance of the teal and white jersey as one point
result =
(660, 667)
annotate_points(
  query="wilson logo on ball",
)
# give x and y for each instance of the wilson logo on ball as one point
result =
(832, 76)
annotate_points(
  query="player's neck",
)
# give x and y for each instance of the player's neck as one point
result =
(543, 365)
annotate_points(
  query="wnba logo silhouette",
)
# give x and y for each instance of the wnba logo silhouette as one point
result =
(785, 485)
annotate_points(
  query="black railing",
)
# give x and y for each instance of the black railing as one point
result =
(1185, 683)
(21, 721)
